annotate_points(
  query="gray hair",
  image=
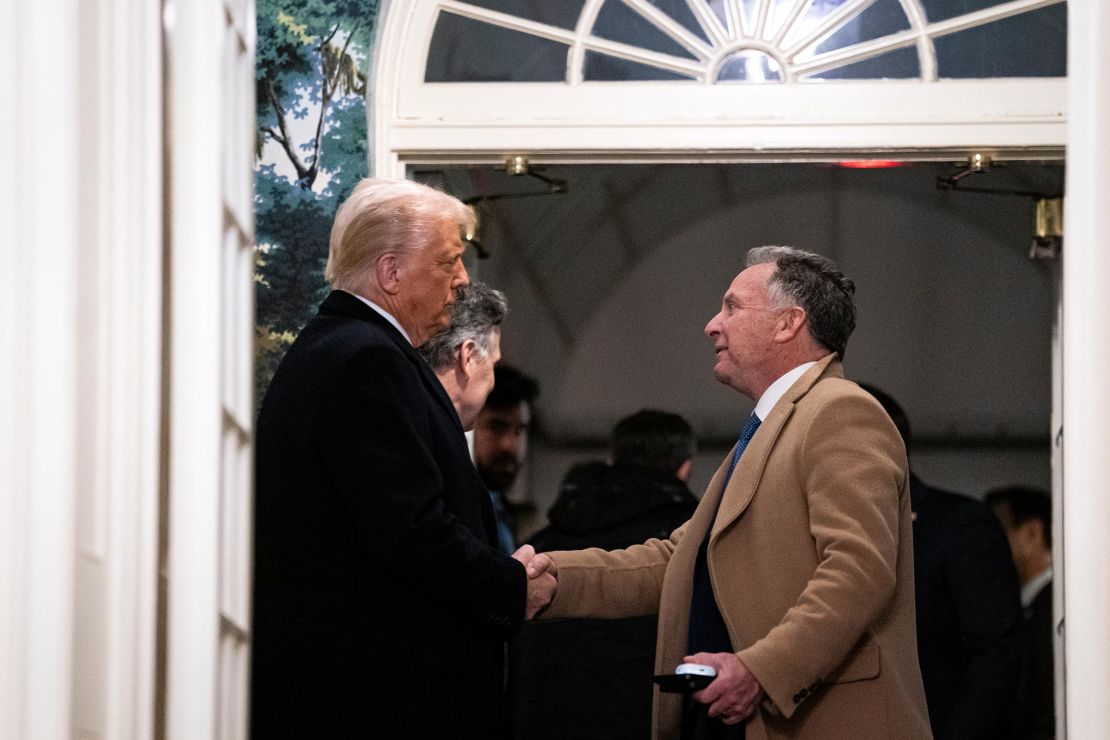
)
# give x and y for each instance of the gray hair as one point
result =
(382, 215)
(816, 284)
(478, 310)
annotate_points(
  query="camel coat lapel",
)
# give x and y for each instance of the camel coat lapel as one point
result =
(720, 508)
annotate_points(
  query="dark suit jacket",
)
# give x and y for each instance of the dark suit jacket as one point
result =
(968, 614)
(1034, 711)
(381, 605)
(574, 679)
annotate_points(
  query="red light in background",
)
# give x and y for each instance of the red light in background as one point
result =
(869, 164)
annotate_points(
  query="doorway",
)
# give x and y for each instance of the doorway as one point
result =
(611, 283)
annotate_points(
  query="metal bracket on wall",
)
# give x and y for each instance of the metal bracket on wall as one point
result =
(1049, 232)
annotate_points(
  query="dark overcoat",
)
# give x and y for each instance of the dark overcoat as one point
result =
(381, 605)
(968, 614)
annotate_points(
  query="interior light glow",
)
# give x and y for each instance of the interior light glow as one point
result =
(869, 164)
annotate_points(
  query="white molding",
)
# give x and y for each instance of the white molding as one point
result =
(697, 121)
(132, 314)
(80, 369)
(210, 357)
(13, 472)
(1086, 339)
(195, 38)
(38, 362)
(385, 69)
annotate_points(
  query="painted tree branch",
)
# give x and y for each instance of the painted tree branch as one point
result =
(279, 112)
(333, 64)
(276, 136)
(328, 87)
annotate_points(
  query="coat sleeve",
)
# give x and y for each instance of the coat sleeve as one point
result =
(377, 454)
(852, 468)
(602, 584)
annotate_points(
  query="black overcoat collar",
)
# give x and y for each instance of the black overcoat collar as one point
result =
(345, 304)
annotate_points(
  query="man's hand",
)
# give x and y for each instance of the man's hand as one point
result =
(542, 582)
(734, 694)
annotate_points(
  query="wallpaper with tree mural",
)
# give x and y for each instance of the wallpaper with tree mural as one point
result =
(311, 76)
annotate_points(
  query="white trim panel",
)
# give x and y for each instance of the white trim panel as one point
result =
(1086, 416)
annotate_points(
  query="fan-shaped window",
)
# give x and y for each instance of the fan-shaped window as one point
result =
(745, 41)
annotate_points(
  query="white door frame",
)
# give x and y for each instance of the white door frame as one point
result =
(414, 122)
(1085, 501)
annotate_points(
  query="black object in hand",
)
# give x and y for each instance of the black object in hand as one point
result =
(682, 683)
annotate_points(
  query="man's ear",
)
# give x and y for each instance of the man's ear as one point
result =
(468, 355)
(789, 323)
(387, 269)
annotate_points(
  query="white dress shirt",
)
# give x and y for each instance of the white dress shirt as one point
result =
(774, 392)
(385, 314)
(1030, 590)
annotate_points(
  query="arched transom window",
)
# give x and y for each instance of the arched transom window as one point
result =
(716, 41)
(761, 75)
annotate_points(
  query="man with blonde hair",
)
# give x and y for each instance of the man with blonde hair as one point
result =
(381, 604)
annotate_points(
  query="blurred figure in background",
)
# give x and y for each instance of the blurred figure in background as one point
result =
(1026, 515)
(501, 442)
(591, 678)
(968, 614)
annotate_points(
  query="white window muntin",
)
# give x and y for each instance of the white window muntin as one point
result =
(792, 41)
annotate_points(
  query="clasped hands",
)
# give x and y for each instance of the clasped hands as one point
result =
(542, 581)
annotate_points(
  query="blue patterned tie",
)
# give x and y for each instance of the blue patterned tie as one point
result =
(746, 435)
(707, 631)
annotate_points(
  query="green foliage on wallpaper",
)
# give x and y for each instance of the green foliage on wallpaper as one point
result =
(311, 77)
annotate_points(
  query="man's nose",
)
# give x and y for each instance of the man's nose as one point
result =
(507, 440)
(462, 279)
(711, 329)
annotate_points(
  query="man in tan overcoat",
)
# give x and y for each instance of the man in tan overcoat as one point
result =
(794, 578)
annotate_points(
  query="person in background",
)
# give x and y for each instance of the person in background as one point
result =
(381, 604)
(1026, 515)
(464, 356)
(968, 609)
(501, 442)
(591, 678)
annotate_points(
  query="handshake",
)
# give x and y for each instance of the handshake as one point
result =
(542, 580)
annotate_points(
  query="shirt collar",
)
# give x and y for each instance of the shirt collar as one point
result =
(385, 315)
(772, 395)
(1030, 590)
